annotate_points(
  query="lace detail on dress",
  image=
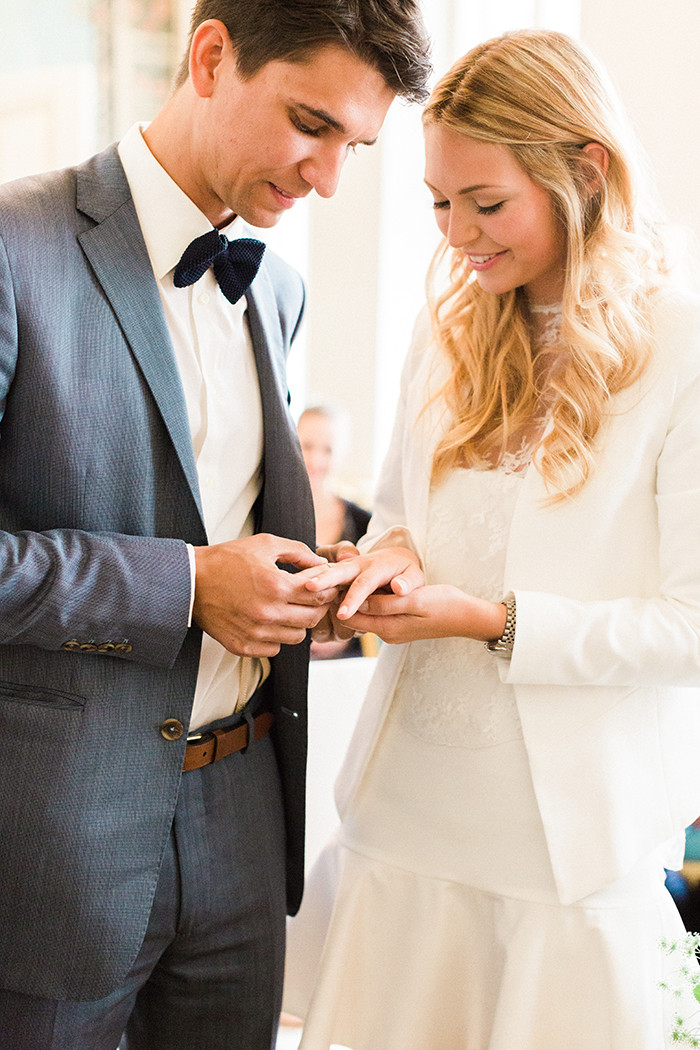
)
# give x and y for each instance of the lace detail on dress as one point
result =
(517, 460)
(550, 358)
(450, 691)
(547, 324)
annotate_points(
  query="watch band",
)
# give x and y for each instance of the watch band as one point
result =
(503, 646)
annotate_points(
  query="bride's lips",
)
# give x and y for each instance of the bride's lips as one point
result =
(484, 262)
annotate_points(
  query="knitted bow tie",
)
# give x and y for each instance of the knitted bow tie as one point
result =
(235, 262)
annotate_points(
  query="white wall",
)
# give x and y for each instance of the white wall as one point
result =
(651, 48)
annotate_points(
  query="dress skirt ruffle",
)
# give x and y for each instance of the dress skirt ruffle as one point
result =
(399, 961)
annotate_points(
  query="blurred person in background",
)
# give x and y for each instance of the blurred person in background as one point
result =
(324, 438)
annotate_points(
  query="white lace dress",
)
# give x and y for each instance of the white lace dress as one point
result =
(432, 922)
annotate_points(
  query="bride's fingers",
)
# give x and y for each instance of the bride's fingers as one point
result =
(366, 584)
(339, 574)
(407, 581)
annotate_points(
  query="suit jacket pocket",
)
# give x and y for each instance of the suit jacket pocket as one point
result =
(33, 694)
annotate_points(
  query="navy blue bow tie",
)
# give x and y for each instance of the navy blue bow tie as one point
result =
(235, 262)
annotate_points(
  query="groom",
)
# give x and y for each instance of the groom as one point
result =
(152, 501)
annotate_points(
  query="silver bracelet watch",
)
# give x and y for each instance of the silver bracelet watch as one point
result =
(503, 646)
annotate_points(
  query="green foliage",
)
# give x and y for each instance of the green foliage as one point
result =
(685, 979)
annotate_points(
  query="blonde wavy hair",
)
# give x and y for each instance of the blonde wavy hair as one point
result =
(541, 95)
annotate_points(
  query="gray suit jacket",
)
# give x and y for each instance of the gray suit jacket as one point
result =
(98, 497)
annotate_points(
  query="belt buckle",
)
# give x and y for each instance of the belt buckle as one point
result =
(199, 738)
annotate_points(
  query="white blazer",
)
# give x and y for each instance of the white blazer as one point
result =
(606, 664)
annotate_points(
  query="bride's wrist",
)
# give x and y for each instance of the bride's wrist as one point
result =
(481, 619)
(494, 621)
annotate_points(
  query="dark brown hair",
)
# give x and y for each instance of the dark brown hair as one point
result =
(388, 35)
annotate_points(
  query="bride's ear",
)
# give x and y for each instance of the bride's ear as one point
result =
(600, 158)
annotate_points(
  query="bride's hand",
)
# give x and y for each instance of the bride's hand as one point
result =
(335, 552)
(396, 568)
(433, 611)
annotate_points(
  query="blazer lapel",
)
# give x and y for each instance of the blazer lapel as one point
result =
(263, 319)
(117, 253)
(430, 421)
(286, 507)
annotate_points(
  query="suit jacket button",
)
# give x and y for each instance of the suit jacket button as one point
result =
(72, 646)
(172, 729)
(122, 647)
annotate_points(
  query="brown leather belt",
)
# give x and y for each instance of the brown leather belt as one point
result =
(216, 744)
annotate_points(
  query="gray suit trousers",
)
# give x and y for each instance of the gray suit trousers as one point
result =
(209, 973)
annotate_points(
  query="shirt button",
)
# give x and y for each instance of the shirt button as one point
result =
(172, 729)
(204, 298)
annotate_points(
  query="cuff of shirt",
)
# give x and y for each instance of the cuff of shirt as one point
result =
(193, 574)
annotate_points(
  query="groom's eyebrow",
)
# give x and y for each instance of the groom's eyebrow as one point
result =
(330, 120)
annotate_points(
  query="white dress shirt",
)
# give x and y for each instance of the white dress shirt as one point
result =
(217, 367)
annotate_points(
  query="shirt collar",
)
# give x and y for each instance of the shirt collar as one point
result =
(169, 220)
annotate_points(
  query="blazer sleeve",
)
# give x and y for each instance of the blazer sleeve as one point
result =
(126, 595)
(632, 641)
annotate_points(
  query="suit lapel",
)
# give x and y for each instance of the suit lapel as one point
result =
(117, 253)
(286, 506)
(266, 333)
